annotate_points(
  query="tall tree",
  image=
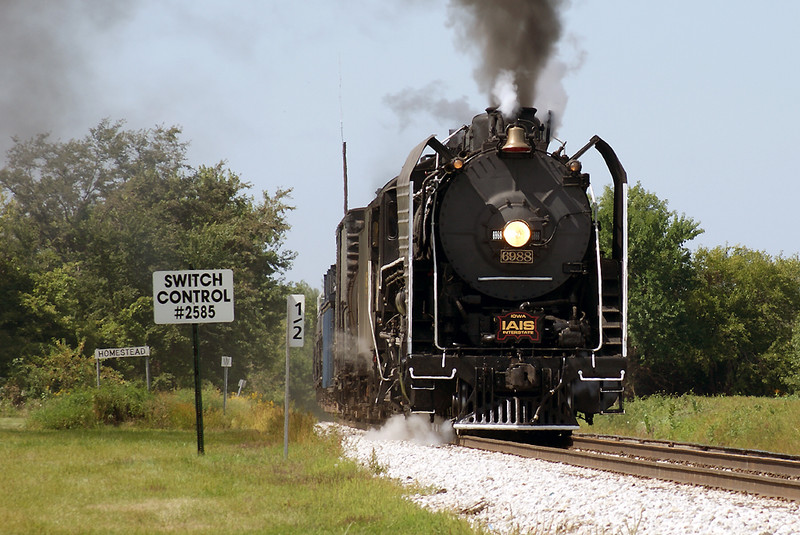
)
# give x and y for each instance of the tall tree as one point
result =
(270, 379)
(747, 307)
(55, 185)
(86, 223)
(661, 280)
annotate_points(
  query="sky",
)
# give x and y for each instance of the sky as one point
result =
(696, 98)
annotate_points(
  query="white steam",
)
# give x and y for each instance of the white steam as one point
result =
(415, 428)
(505, 91)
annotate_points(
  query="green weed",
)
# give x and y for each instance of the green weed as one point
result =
(737, 421)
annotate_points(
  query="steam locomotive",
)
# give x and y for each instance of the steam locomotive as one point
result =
(473, 287)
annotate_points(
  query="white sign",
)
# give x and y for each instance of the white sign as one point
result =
(296, 315)
(119, 352)
(227, 362)
(193, 296)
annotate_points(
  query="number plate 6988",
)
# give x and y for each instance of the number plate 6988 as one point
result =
(516, 256)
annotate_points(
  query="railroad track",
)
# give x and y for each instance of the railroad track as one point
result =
(756, 472)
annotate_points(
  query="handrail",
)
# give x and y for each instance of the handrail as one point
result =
(620, 378)
(433, 377)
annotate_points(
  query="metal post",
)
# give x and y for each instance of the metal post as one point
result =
(198, 396)
(98, 372)
(225, 396)
(295, 327)
(344, 173)
(147, 372)
(286, 405)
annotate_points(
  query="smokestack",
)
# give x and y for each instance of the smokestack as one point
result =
(514, 38)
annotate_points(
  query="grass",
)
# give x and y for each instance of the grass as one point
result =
(66, 471)
(771, 424)
(127, 480)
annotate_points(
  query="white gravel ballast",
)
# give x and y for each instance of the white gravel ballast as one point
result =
(510, 494)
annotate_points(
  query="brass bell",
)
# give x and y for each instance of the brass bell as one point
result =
(516, 141)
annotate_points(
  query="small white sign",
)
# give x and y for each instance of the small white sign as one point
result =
(119, 352)
(296, 315)
(227, 362)
(193, 296)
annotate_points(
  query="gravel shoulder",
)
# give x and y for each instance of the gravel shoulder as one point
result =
(510, 494)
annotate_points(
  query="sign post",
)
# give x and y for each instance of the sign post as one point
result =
(198, 391)
(226, 364)
(295, 332)
(194, 296)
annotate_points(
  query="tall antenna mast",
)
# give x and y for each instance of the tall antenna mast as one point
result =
(341, 133)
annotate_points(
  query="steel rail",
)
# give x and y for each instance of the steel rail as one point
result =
(708, 476)
(762, 462)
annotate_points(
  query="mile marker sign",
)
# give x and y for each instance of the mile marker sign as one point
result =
(193, 296)
(295, 319)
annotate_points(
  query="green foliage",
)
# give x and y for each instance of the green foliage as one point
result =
(117, 403)
(62, 369)
(661, 280)
(719, 321)
(271, 380)
(176, 410)
(792, 382)
(131, 404)
(735, 421)
(747, 307)
(84, 408)
(85, 223)
(70, 411)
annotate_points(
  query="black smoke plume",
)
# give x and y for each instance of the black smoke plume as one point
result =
(515, 40)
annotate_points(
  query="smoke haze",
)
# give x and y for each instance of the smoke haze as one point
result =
(515, 40)
(408, 102)
(45, 61)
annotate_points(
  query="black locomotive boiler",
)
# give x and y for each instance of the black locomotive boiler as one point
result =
(473, 287)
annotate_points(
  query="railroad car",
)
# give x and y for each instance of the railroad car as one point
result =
(474, 288)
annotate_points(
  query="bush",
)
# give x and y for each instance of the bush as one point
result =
(89, 407)
(176, 410)
(116, 403)
(62, 369)
(70, 411)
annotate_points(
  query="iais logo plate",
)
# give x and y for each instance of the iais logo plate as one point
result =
(519, 326)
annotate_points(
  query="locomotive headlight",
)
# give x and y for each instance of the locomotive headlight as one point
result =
(517, 233)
